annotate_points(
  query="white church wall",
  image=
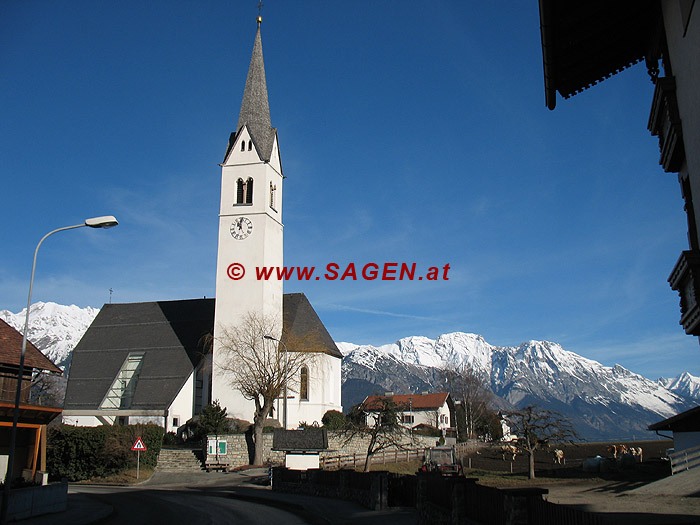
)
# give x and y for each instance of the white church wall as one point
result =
(181, 409)
(324, 391)
(81, 421)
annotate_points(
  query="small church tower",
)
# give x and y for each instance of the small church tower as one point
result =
(250, 224)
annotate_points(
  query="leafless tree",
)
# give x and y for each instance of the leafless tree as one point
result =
(256, 366)
(381, 425)
(536, 427)
(469, 388)
(48, 389)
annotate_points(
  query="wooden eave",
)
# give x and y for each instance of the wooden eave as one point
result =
(29, 415)
(584, 43)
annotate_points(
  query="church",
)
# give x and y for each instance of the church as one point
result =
(163, 361)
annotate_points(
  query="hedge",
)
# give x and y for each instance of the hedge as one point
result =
(79, 453)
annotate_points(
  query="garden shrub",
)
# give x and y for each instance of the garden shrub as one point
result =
(334, 420)
(79, 453)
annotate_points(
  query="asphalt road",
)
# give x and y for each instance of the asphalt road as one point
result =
(208, 505)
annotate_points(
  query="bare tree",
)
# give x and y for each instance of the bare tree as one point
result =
(469, 388)
(537, 427)
(381, 424)
(257, 368)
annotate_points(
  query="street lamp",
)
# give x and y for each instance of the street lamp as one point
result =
(284, 402)
(107, 221)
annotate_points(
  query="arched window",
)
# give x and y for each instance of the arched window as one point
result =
(272, 196)
(244, 191)
(250, 145)
(243, 145)
(240, 191)
(304, 384)
(249, 191)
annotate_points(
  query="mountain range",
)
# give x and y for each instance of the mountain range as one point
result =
(603, 403)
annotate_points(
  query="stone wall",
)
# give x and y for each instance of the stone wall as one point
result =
(238, 453)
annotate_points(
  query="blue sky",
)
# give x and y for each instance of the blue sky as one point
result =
(410, 132)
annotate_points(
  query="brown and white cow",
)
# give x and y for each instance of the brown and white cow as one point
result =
(558, 456)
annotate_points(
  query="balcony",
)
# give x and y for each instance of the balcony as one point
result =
(665, 123)
(685, 279)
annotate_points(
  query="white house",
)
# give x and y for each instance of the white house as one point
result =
(416, 410)
(686, 433)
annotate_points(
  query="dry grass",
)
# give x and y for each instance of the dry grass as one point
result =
(127, 477)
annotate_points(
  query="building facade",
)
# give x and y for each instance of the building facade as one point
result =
(583, 44)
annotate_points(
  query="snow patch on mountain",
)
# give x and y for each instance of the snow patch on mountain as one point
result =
(53, 328)
(685, 384)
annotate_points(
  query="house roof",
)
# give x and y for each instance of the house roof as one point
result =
(11, 351)
(300, 440)
(584, 43)
(404, 401)
(173, 336)
(303, 330)
(688, 421)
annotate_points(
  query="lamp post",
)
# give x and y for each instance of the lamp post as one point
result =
(284, 401)
(107, 221)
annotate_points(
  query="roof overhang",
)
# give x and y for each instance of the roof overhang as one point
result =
(29, 415)
(586, 42)
(688, 421)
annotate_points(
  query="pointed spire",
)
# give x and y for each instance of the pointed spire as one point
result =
(255, 109)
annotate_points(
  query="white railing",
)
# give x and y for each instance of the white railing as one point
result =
(379, 458)
(684, 459)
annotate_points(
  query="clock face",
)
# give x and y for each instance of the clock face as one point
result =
(241, 228)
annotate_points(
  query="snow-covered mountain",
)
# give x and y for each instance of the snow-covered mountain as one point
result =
(53, 328)
(602, 402)
(685, 385)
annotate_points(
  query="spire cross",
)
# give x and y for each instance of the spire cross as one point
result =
(260, 6)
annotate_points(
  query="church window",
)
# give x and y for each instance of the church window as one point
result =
(250, 145)
(244, 191)
(304, 384)
(243, 145)
(273, 189)
(249, 191)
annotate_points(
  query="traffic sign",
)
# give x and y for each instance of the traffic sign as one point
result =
(139, 446)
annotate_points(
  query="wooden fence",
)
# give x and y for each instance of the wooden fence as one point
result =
(685, 459)
(380, 458)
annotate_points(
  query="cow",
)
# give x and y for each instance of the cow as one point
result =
(617, 450)
(638, 452)
(509, 450)
(558, 455)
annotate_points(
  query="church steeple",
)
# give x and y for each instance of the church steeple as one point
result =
(255, 108)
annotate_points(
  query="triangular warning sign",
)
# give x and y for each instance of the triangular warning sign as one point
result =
(139, 445)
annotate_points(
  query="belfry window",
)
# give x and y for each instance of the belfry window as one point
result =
(244, 191)
(304, 384)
